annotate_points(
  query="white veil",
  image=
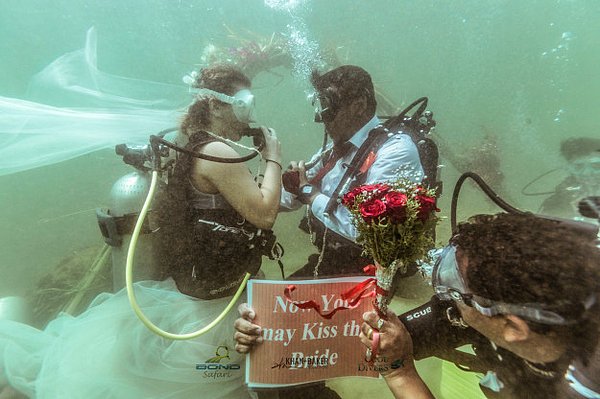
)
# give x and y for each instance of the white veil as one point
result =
(74, 109)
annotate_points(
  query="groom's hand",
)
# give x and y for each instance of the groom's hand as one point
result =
(247, 334)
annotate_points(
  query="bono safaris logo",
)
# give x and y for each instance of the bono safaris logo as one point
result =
(218, 365)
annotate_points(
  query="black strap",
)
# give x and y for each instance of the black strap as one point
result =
(113, 228)
(376, 138)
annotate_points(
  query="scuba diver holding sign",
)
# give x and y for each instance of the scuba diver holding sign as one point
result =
(522, 290)
(212, 222)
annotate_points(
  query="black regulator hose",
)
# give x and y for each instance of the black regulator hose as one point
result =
(156, 139)
(486, 189)
(396, 120)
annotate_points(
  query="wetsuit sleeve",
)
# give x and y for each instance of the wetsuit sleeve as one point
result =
(431, 331)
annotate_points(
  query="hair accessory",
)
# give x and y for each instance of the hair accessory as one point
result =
(190, 79)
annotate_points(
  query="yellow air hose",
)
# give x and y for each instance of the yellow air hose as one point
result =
(129, 279)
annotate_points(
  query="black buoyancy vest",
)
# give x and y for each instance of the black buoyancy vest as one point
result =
(204, 243)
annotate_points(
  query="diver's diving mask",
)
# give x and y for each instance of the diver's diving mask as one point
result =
(242, 102)
(449, 285)
(325, 110)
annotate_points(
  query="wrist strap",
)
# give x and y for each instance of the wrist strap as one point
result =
(275, 162)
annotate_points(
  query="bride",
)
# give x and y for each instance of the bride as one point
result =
(215, 222)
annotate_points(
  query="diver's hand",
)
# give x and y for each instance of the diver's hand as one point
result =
(272, 149)
(300, 168)
(394, 358)
(291, 181)
(293, 178)
(247, 334)
(395, 350)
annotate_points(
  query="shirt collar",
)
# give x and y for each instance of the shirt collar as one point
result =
(361, 135)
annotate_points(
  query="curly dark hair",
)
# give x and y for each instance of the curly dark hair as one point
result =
(221, 78)
(528, 259)
(352, 82)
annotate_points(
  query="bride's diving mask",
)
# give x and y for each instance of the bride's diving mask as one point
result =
(242, 102)
(450, 285)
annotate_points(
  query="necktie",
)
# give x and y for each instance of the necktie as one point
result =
(338, 151)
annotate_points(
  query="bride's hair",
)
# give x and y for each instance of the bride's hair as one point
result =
(224, 79)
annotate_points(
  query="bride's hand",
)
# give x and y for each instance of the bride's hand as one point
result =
(272, 149)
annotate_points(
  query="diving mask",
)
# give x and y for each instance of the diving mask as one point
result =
(446, 279)
(449, 285)
(242, 102)
(324, 107)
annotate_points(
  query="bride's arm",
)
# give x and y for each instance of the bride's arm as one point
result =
(258, 205)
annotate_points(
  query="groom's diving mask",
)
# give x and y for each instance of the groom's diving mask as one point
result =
(450, 285)
(325, 104)
(242, 102)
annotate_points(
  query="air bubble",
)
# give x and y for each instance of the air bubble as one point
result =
(568, 35)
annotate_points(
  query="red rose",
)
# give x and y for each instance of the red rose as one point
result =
(394, 200)
(396, 206)
(348, 199)
(371, 209)
(426, 206)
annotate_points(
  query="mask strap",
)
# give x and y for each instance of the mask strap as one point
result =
(202, 93)
(528, 312)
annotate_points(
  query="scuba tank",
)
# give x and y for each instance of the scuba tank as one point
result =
(127, 197)
(117, 222)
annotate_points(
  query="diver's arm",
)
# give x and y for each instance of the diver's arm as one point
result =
(407, 384)
(433, 333)
(394, 359)
(258, 205)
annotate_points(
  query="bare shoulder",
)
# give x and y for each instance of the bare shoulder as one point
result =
(219, 149)
(217, 171)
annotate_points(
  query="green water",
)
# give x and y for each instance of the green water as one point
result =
(522, 71)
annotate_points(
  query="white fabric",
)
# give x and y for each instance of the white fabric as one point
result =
(72, 108)
(396, 153)
(106, 352)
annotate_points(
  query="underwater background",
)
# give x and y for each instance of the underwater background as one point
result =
(505, 79)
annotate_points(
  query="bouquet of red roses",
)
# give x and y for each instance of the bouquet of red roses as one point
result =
(393, 221)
